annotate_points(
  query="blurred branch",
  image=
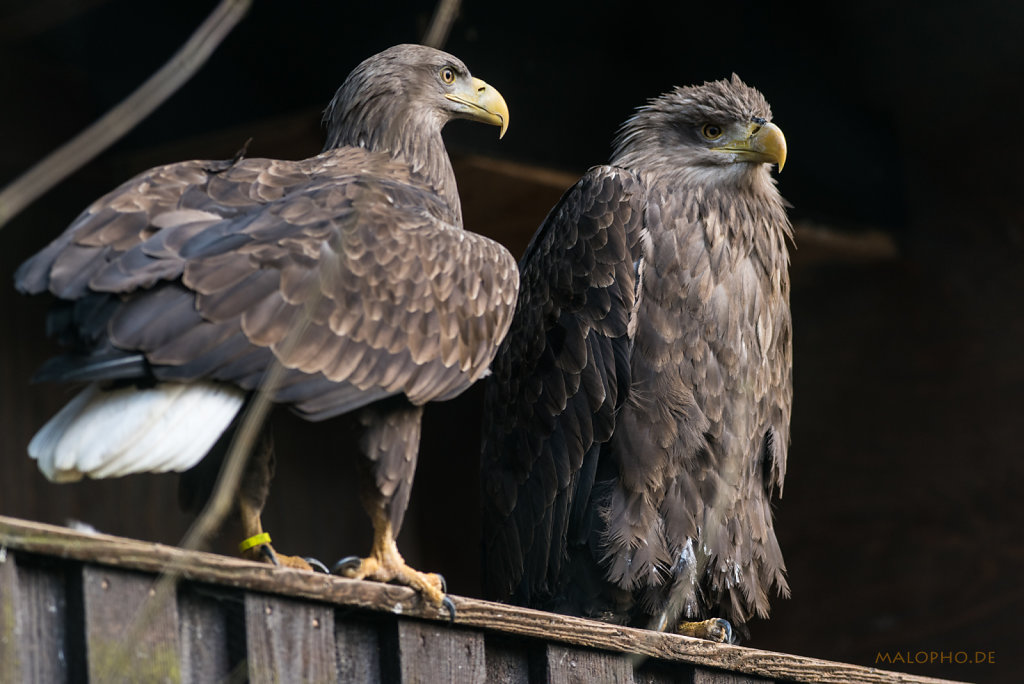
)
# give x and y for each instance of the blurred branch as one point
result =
(77, 152)
(441, 24)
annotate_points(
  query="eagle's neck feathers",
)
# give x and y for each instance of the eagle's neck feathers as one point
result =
(380, 121)
(739, 202)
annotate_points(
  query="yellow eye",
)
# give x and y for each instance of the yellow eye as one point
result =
(711, 131)
(448, 75)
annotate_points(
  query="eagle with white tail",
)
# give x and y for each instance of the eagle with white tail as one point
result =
(179, 291)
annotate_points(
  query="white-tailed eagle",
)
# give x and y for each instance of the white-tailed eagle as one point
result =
(637, 421)
(179, 290)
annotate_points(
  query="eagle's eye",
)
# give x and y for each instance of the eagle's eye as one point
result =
(448, 75)
(711, 131)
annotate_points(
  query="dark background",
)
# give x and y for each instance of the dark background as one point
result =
(902, 518)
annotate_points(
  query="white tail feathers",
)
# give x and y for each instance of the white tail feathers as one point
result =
(103, 434)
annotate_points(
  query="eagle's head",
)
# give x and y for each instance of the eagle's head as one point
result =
(721, 129)
(408, 92)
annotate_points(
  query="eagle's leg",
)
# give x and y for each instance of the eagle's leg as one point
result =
(390, 446)
(252, 496)
(385, 564)
(715, 629)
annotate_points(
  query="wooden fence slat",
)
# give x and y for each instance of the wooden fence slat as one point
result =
(580, 666)
(654, 672)
(358, 652)
(429, 652)
(508, 660)
(131, 632)
(705, 676)
(650, 671)
(43, 619)
(288, 640)
(203, 629)
(10, 620)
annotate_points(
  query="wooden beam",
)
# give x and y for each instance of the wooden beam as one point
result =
(495, 617)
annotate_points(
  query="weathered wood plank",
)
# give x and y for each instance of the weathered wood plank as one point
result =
(583, 666)
(589, 633)
(203, 630)
(211, 568)
(131, 632)
(43, 618)
(358, 650)
(650, 671)
(704, 676)
(288, 640)
(660, 672)
(508, 660)
(10, 620)
(429, 652)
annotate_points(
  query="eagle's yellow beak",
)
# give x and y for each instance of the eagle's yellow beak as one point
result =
(762, 142)
(482, 103)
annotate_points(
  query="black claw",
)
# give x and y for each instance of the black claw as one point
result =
(444, 584)
(317, 565)
(725, 628)
(268, 551)
(347, 563)
(447, 603)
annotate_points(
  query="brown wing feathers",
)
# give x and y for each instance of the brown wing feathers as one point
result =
(398, 299)
(557, 381)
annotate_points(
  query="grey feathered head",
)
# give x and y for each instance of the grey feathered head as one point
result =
(715, 124)
(404, 93)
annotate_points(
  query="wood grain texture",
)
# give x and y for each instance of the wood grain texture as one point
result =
(203, 630)
(580, 666)
(131, 630)
(702, 676)
(10, 620)
(508, 660)
(43, 622)
(358, 651)
(484, 615)
(288, 640)
(430, 652)
(659, 672)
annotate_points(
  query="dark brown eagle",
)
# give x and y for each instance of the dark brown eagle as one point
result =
(637, 418)
(179, 290)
